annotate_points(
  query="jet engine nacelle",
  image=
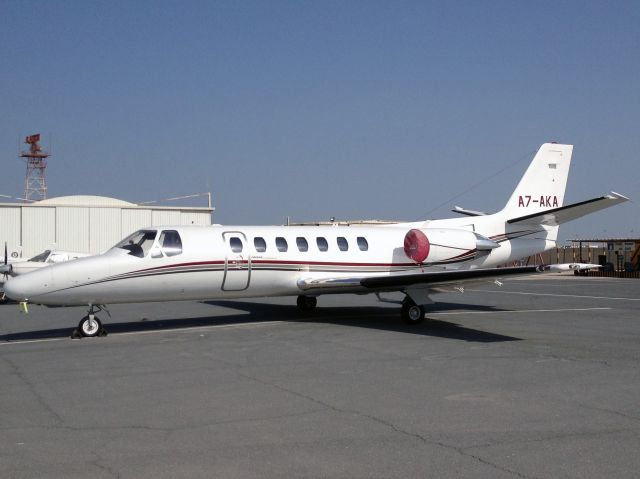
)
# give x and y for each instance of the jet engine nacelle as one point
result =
(430, 245)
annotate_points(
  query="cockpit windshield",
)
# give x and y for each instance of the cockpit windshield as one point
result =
(42, 257)
(139, 243)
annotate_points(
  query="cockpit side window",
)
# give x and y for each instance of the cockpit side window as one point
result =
(170, 242)
(139, 243)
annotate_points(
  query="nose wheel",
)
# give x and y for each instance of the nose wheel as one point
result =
(90, 326)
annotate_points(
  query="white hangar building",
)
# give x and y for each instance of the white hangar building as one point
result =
(84, 224)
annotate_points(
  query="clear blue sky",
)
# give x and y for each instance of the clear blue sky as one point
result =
(317, 109)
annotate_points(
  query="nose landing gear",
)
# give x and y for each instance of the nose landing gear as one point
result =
(90, 326)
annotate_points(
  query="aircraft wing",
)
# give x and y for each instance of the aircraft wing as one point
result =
(563, 214)
(433, 279)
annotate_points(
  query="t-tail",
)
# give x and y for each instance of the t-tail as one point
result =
(538, 200)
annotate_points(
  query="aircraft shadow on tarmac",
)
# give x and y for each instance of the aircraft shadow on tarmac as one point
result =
(370, 317)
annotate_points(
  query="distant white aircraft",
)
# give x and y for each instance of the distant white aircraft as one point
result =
(418, 259)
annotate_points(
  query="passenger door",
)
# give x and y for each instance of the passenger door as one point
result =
(237, 264)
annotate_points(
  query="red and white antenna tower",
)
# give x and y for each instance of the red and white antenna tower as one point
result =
(35, 181)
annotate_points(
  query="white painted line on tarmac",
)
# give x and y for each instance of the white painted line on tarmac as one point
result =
(199, 328)
(153, 331)
(445, 313)
(552, 294)
(48, 340)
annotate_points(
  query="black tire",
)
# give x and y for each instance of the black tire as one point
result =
(307, 303)
(412, 313)
(89, 328)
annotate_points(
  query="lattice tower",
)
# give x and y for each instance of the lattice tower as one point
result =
(35, 180)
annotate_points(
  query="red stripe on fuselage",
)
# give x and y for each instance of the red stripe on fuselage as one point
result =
(290, 262)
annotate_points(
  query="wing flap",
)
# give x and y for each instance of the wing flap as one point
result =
(445, 277)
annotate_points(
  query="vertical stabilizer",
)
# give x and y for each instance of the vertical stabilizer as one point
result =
(543, 185)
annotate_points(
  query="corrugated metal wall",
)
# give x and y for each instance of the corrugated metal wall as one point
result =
(10, 229)
(133, 220)
(163, 217)
(72, 226)
(188, 218)
(38, 230)
(105, 228)
(29, 229)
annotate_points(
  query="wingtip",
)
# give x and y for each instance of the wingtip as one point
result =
(618, 196)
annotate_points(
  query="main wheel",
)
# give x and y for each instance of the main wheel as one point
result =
(307, 303)
(412, 313)
(90, 327)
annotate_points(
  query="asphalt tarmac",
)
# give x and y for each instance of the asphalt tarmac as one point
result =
(535, 379)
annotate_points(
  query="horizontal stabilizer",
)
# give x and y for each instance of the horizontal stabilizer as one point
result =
(462, 211)
(563, 214)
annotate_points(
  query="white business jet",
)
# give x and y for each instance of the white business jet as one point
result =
(418, 259)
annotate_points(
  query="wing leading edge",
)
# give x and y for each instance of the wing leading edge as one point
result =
(399, 282)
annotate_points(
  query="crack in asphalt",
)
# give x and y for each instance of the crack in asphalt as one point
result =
(548, 437)
(611, 411)
(461, 451)
(168, 430)
(98, 464)
(31, 387)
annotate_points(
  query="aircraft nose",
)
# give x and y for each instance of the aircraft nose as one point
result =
(28, 286)
(14, 289)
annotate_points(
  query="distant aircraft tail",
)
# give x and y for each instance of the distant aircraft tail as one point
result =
(543, 185)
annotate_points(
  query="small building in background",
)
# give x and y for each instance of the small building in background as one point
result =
(84, 224)
(614, 254)
(619, 257)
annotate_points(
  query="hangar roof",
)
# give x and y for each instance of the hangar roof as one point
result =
(89, 201)
(83, 200)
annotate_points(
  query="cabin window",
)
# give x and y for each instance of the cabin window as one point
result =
(236, 244)
(281, 244)
(260, 244)
(322, 243)
(363, 244)
(170, 243)
(302, 244)
(139, 243)
(343, 245)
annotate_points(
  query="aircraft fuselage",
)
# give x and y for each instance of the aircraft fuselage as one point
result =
(218, 262)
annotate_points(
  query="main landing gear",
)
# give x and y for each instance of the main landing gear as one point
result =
(90, 326)
(307, 303)
(411, 312)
